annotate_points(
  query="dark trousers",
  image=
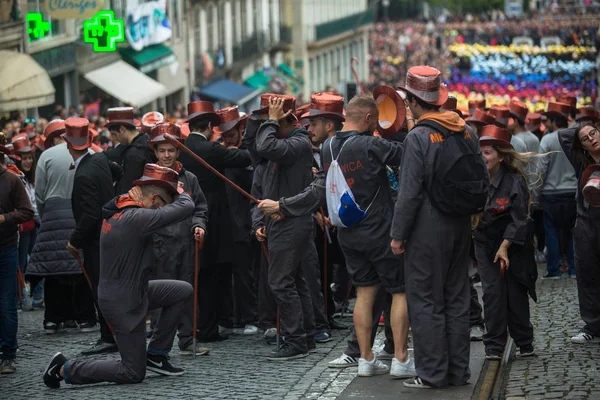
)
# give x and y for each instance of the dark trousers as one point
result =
(334, 256)
(540, 234)
(383, 303)
(267, 304)
(287, 247)
(213, 290)
(559, 216)
(26, 243)
(475, 318)
(165, 295)
(91, 256)
(312, 274)
(506, 305)
(68, 297)
(587, 256)
(244, 285)
(9, 264)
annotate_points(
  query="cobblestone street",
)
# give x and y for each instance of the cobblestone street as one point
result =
(561, 370)
(235, 369)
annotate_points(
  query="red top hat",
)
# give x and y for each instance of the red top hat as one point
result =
(289, 103)
(326, 105)
(150, 119)
(120, 116)
(533, 122)
(568, 99)
(229, 119)
(157, 133)
(392, 110)
(300, 111)
(159, 176)
(203, 110)
(425, 83)
(560, 109)
(502, 115)
(451, 104)
(586, 114)
(518, 110)
(590, 185)
(474, 104)
(21, 145)
(493, 135)
(481, 117)
(77, 133)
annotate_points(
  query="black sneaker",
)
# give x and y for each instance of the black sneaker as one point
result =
(287, 352)
(161, 365)
(52, 327)
(86, 327)
(323, 337)
(311, 346)
(527, 351)
(70, 326)
(52, 376)
(273, 340)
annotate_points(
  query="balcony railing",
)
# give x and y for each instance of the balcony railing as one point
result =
(341, 25)
(251, 47)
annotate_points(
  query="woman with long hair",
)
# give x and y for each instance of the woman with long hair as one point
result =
(581, 144)
(504, 247)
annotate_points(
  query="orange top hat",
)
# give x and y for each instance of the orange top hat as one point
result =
(159, 176)
(474, 104)
(568, 99)
(300, 111)
(518, 110)
(120, 116)
(425, 83)
(451, 105)
(558, 109)
(150, 119)
(392, 110)
(493, 135)
(77, 133)
(586, 114)
(326, 105)
(533, 122)
(203, 110)
(502, 115)
(229, 119)
(54, 128)
(157, 133)
(481, 117)
(21, 145)
(289, 103)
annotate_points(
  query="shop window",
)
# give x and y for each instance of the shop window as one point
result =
(57, 27)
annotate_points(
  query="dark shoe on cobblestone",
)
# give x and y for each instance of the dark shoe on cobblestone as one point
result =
(7, 367)
(273, 340)
(323, 337)
(214, 338)
(311, 346)
(161, 365)
(101, 347)
(51, 327)
(287, 352)
(417, 383)
(52, 376)
(334, 324)
(86, 327)
(493, 355)
(527, 351)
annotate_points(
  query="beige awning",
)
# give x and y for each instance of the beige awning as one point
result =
(23, 82)
(126, 83)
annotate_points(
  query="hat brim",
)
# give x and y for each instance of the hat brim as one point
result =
(517, 117)
(314, 113)
(212, 116)
(504, 122)
(155, 182)
(49, 142)
(473, 120)
(78, 143)
(118, 122)
(26, 149)
(442, 98)
(161, 140)
(555, 113)
(261, 110)
(588, 172)
(492, 141)
(585, 117)
(227, 126)
(394, 126)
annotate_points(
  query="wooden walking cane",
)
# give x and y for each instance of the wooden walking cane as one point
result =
(355, 60)
(20, 284)
(199, 245)
(326, 241)
(87, 278)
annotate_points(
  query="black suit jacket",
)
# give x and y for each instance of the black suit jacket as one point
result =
(134, 157)
(92, 188)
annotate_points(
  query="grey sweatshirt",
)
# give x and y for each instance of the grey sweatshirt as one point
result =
(556, 174)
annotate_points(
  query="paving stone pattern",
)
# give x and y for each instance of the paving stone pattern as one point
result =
(561, 369)
(235, 369)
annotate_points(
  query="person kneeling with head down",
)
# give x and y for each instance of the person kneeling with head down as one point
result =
(504, 247)
(125, 293)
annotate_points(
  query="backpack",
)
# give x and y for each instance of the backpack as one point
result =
(460, 181)
(343, 209)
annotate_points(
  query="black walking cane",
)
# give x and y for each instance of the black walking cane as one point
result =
(199, 244)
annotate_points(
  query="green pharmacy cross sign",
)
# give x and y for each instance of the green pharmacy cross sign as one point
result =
(37, 28)
(104, 31)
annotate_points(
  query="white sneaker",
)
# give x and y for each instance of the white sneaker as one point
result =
(270, 333)
(582, 338)
(247, 330)
(381, 354)
(371, 368)
(343, 361)
(476, 334)
(403, 369)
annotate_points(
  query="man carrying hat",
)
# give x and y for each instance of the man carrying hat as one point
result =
(135, 152)
(369, 259)
(174, 246)
(125, 293)
(215, 271)
(92, 188)
(555, 191)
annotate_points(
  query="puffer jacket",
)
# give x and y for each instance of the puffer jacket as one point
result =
(50, 255)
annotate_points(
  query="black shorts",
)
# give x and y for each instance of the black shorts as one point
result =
(369, 257)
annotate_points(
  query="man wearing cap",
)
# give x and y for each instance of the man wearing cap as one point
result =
(239, 310)
(174, 246)
(135, 153)
(67, 295)
(369, 258)
(92, 188)
(506, 121)
(435, 245)
(215, 271)
(556, 191)
(125, 293)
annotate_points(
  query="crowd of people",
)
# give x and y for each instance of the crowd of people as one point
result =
(239, 224)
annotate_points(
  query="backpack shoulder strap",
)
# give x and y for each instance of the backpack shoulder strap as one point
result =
(341, 148)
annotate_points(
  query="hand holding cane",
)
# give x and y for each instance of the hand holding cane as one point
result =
(199, 245)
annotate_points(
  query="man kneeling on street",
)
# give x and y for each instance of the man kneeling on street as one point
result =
(125, 294)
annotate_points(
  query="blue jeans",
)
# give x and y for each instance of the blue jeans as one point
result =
(553, 246)
(9, 263)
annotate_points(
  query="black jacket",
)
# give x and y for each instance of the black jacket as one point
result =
(92, 188)
(134, 157)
